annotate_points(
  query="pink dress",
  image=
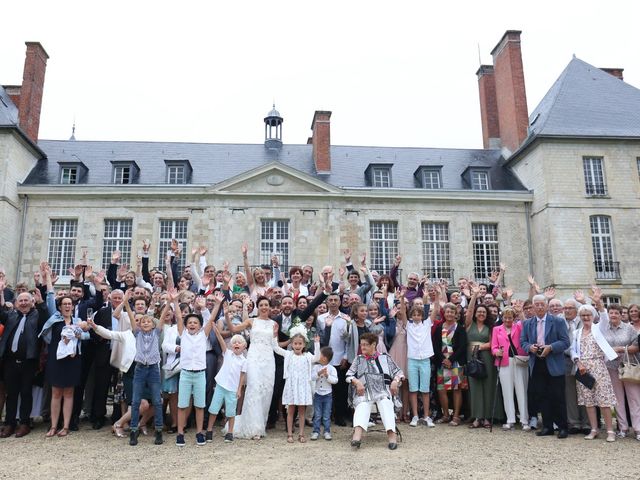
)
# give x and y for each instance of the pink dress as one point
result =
(398, 350)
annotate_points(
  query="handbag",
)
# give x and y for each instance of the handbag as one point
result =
(476, 367)
(628, 371)
(586, 379)
(522, 360)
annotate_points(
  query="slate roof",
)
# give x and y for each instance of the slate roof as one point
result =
(213, 163)
(587, 102)
(8, 110)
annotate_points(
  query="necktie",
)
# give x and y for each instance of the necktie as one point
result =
(16, 336)
(540, 332)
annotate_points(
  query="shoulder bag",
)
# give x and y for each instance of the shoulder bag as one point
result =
(475, 366)
(628, 371)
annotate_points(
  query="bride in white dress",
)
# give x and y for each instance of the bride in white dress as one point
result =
(261, 371)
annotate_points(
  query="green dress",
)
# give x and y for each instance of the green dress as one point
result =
(481, 391)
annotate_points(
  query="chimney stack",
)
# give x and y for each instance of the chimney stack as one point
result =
(321, 141)
(488, 107)
(616, 72)
(511, 96)
(30, 105)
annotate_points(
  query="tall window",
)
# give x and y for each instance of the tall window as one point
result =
(384, 245)
(381, 177)
(431, 179)
(117, 236)
(122, 174)
(172, 230)
(435, 250)
(594, 180)
(479, 180)
(62, 245)
(69, 175)
(176, 174)
(486, 257)
(602, 242)
(274, 240)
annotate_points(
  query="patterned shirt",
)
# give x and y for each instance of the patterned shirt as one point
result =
(147, 347)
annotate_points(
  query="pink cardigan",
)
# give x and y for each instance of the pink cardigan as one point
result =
(499, 339)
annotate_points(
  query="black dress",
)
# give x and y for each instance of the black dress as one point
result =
(65, 372)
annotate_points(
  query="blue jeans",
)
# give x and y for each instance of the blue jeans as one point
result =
(146, 375)
(322, 411)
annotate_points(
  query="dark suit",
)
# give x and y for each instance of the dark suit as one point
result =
(546, 383)
(102, 369)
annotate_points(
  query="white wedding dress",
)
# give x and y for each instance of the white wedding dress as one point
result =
(261, 372)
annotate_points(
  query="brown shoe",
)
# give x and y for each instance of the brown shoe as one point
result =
(22, 431)
(7, 431)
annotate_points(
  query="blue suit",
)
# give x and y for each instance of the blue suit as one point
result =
(546, 384)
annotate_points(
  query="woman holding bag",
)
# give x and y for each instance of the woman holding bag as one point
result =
(589, 351)
(512, 361)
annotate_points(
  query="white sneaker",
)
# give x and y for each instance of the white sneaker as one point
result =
(315, 435)
(526, 428)
(507, 426)
(621, 434)
(414, 422)
(428, 422)
(327, 436)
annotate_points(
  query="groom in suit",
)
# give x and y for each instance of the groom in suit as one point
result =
(545, 337)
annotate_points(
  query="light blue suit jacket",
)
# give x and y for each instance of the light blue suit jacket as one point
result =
(555, 334)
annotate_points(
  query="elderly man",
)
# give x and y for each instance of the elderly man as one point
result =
(20, 351)
(576, 415)
(413, 289)
(545, 337)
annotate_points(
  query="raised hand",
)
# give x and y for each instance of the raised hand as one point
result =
(579, 296)
(507, 293)
(342, 271)
(503, 267)
(494, 276)
(398, 260)
(531, 280)
(596, 294)
(172, 295)
(115, 256)
(200, 302)
(518, 306)
(202, 250)
(36, 295)
(226, 277)
(218, 297)
(347, 255)
(363, 259)
(244, 249)
(146, 245)
(393, 312)
(549, 293)
(37, 277)
(225, 266)
(194, 254)
(122, 270)
(88, 271)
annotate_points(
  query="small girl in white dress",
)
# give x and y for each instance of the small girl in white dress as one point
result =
(298, 387)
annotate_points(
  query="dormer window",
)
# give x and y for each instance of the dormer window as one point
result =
(379, 176)
(479, 180)
(125, 173)
(178, 172)
(429, 178)
(72, 173)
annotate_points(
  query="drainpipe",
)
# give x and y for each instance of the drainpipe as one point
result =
(527, 215)
(25, 206)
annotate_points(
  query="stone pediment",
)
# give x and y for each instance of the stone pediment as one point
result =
(274, 178)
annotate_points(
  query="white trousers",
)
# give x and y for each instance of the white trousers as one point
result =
(385, 408)
(513, 377)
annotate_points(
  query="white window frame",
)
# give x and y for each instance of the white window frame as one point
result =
(480, 180)
(381, 177)
(486, 249)
(275, 234)
(176, 174)
(436, 254)
(604, 256)
(383, 240)
(428, 175)
(611, 300)
(595, 183)
(119, 174)
(118, 234)
(63, 234)
(169, 229)
(69, 175)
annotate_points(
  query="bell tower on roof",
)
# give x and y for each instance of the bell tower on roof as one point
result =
(273, 130)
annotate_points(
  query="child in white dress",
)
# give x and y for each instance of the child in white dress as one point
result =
(298, 387)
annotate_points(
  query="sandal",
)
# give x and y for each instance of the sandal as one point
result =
(486, 424)
(51, 433)
(289, 438)
(475, 424)
(63, 432)
(117, 430)
(455, 422)
(302, 439)
(443, 420)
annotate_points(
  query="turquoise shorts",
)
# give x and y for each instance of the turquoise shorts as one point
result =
(220, 396)
(192, 384)
(419, 373)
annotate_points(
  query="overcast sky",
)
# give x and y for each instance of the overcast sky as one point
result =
(393, 73)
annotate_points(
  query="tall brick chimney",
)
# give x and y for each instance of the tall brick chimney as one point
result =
(321, 141)
(488, 107)
(35, 65)
(616, 72)
(511, 96)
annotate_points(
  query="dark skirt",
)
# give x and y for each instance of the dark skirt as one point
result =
(66, 372)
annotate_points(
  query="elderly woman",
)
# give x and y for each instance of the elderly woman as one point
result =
(622, 336)
(374, 378)
(513, 363)
(589, 351)
(634, 317)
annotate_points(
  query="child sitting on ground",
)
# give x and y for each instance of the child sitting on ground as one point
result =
(324, 375)
(229, 382)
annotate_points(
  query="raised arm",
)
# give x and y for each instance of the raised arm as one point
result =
(471, 309)
(169, 272)
(218, 298)
(247, 269)
(246, 321)
(127, 307)
(172, 298)
(221, 342)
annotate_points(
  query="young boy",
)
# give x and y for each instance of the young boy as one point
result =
(419, 351)
(324, 375)
(229, 382)
(193, 365)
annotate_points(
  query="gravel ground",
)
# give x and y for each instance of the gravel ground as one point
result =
(441, 452)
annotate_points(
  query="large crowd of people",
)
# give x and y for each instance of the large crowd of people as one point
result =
(184, 349)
